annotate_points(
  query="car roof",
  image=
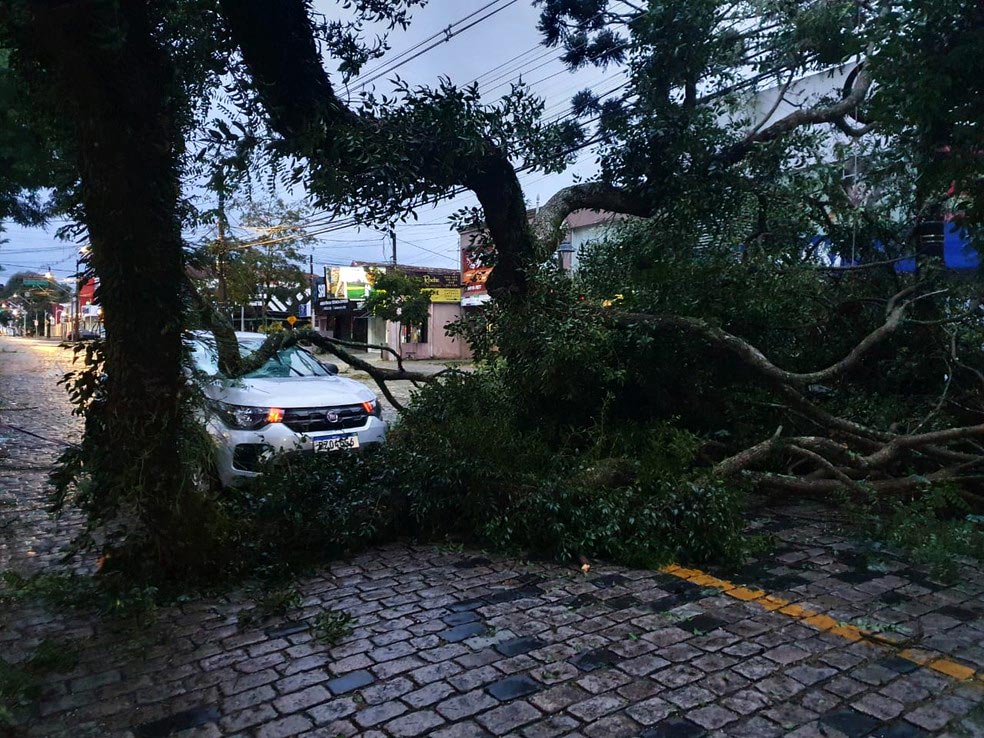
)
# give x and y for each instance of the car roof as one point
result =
(239, 335)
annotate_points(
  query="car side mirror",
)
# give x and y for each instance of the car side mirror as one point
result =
(329, 367)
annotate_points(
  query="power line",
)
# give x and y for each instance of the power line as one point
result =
(516, 74)
(424, 248)
(448, 35)
(413, 48)
(22, 252)
(326, 224)
(496, 68)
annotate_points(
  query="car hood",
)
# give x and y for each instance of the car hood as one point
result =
(290, 392)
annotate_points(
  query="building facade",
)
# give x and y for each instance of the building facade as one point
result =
(581, 228)
(340, 312)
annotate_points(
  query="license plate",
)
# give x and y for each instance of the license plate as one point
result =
(336, 443)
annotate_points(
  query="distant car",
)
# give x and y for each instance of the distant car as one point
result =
(89, 336)
(291, 403)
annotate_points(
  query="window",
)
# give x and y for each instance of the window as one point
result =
(415, 333)
(290, 362)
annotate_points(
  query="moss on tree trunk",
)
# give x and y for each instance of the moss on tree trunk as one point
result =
(101, 64)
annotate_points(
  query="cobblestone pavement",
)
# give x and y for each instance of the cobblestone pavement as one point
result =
(823, 639)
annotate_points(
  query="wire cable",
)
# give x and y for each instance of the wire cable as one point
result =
(448, 35)
(416, 46)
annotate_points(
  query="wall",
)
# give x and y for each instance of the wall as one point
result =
(439, 345)
(443, 346)
(580, 236)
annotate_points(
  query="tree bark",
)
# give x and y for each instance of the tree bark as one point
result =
(100, 62)
(549, 221)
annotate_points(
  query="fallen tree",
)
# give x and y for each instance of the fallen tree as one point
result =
(674, 152)
(848, 455)
(233, 364)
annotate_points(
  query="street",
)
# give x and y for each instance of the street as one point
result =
(447, 642)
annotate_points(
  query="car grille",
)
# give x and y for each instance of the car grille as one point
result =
(309, 419)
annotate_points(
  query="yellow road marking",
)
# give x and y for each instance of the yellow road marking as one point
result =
(822, 622)
(772, 603)
(917, 656)
(742, 593)
(952, 669)
(849, 632)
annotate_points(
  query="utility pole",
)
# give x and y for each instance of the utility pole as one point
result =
(77, 322)
(393, 239)
(311, 295)
(220, 256)
(220, 261)
(266, 284)
(76, 332)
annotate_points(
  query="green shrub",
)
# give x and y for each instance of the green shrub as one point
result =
(621, 492)
(936, 528)
(464, 465)
(309, 508)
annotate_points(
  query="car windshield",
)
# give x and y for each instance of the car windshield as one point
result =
(291, 362)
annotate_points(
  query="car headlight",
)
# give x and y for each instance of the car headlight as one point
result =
(244, 417)
(372, 408)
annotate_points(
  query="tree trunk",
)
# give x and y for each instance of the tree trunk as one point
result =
(103, 66)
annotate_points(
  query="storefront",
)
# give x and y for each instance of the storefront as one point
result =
(341, 312)
(341, 306)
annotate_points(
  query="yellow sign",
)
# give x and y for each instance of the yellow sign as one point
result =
(292, 319)
(444, 294)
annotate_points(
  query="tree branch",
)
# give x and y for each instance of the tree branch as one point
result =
(549, 221)
(226, 343)
(780, 96)
(757, 360)
(379, 375)
(743, 459)
(829, 467)
(811, 116)
(898, 444)
(232, 364)
(850, 130)
(278, 46)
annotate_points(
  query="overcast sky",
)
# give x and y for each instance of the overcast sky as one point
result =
(483, 52)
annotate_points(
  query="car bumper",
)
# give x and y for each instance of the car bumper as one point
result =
(238, 450)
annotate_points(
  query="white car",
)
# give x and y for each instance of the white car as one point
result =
(291, 403)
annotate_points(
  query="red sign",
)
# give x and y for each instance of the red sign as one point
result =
(87, 293)
(474, 274)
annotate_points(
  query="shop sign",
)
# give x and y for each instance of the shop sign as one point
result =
(437, 280)
(476, 300)
(444, 294)
(348, 283)
(354, 284)
(333, 306)
(474, 273)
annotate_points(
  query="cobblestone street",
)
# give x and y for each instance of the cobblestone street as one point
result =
(819, 638)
